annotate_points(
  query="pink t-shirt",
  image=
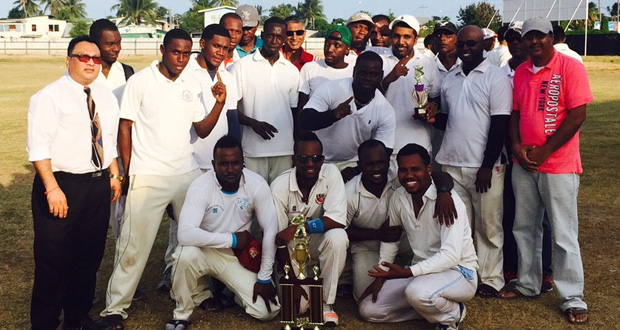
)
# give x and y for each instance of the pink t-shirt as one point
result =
(544, 99)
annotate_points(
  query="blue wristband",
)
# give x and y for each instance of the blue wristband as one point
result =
(315, 226)
(234, 243)
(263, 281)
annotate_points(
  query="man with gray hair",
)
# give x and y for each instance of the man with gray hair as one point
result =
(293, 47)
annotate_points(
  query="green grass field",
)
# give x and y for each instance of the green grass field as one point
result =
(599, 205)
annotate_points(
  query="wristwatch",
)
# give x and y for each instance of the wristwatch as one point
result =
(443, 189)
(116, 176)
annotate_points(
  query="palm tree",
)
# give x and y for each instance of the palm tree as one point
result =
(136, 11)
(28, 7)
(231, 3)
(53, 5)
(309, 11)
(74, 9)
(204, 4)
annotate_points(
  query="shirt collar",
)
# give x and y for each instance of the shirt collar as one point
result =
(482, 67)
(163, 79)
(293, 186)
(219, 186)
(74, 83)
(530, 63)
(258, 57)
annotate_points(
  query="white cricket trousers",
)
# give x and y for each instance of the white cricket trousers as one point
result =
(147, 199)
(191, 263)
(485, 212)
(269, 167)
(435, 297)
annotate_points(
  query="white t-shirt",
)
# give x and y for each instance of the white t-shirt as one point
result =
(209, 216)
(267, 94)
(162, 112)
(365, 210)
(315, 74)
(340, 140)
(470, 101)
(436, 247)
(203, 148)
(115, 80)
(351, 58)
(59, 125)
(499, 56)
(326, 199)
(399, 95)
(564, 49)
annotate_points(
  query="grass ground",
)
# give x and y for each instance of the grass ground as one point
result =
(599, 205)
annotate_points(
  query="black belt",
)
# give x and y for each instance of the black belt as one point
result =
(97, 175)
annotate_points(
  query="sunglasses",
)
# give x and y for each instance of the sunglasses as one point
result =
(469, 43)
(299, 33)
(85, 58)
(305, 159)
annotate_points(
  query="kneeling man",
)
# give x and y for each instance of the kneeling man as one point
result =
(443, 272)
(214, 229)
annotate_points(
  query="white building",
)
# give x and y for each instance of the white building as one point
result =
(42, 27)
(144, 30)
(213, 15)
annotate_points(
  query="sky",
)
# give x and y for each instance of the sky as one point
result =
(332, 8)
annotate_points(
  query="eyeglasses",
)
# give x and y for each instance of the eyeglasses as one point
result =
(299, 33)
(469, 43)
(304, 159)
(85, 58)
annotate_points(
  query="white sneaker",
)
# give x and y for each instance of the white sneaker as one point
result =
(330, 318)
(456, 324)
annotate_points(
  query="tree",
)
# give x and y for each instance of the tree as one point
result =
(15, 13)
(480, 14)
(162, 12)
(613, 10)
(205, 4)
(72, 10)
(191, 21)
(283, 10)
(137, 11)
(29, 8)
(309, 11)
(80, 27)
(53, 5)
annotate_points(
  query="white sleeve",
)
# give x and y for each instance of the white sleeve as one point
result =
(232, 95)
(267, 219)
(321, 99)
(445, 108)
(352, 200)
(435, 80)
(389, 250)
(196, 202)
(304, 80)
(450, 252)
(336, 198)
(280, 201)
(500, 102)
(236, 71)
(44, 114)
(132, 99)
(293, 93)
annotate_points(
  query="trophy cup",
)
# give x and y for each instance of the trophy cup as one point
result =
(301, 258)
(420, 94)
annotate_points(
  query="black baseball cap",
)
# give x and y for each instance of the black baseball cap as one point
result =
(446, 26)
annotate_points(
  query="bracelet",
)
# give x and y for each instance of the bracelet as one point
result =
(316, 226)
(263, 281)
(234, 242)
(117, 177)
(49, 191)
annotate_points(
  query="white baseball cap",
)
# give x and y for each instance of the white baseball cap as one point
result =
(411, 21)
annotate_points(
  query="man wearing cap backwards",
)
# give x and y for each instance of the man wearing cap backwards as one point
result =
(214, 237)
(476, 99)
(550, 97)
(360, 24)
(399, 66)
(295, 36)
(267, 84)
(442, 275)
(346, 112)
(333, 67)
(249, 42)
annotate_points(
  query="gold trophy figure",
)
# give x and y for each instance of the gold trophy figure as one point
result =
(419, 94)
(301, 258)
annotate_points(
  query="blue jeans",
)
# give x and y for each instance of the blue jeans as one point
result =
(556, 194)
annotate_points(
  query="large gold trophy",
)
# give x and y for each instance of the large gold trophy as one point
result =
(301, 259)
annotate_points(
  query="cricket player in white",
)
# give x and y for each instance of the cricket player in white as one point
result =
(443, 272)
(215, 220)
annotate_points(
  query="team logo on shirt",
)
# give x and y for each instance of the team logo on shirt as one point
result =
(320, 198)
(253, 252)
(188, 96)
(244, 204)
(214, 209)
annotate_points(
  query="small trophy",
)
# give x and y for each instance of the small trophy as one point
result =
(300, 258)
(420, 94)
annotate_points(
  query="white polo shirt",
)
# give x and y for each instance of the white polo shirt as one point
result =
(499, 56)
(564, 49)
(209, 215)
(314, 74)
(442, 69)
(399, 95)
(267, 94)
(203, 148)
(327, 198)
(162, 112)
(470, 101)
(510, 73)
(365, 210)
(340, 140)
(115, 80)
(59, 125)
(435, 247)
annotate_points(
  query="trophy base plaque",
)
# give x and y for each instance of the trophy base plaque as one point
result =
(315, 319)
(420, 114)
